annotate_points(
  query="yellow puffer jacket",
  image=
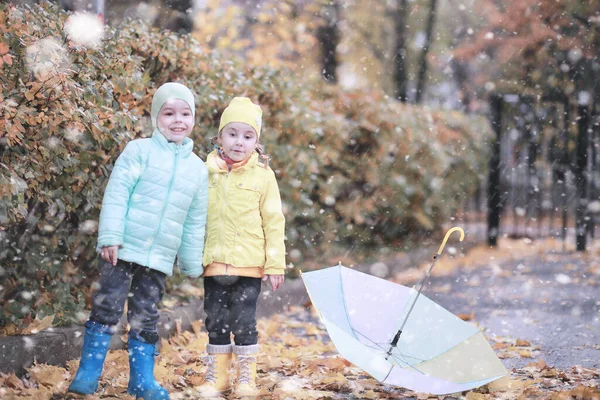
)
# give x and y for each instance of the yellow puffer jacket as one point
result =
(245, 223)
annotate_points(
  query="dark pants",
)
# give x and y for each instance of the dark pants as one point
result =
(142, 287)
(230, 306)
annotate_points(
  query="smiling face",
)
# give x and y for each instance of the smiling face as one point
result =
(175, 120)
(238, 141)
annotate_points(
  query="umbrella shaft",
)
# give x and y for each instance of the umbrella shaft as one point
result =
(394, 343)
(418, 293)
(397, 337)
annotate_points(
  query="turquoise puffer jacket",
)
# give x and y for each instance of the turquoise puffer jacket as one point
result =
(155, 203)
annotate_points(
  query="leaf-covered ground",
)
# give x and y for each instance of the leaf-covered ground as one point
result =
(299, 362)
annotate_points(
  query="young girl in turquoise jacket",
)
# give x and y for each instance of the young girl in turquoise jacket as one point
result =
(153, 210)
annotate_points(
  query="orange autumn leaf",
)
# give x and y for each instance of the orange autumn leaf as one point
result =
(466, 317)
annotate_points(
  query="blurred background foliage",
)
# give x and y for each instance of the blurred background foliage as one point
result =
(536, 47)
(368, 113)
(355, 167)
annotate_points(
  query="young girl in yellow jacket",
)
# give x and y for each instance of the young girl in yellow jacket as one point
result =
(244, 244)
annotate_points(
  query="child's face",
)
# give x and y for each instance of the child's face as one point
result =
(175, 120)
(238, 140)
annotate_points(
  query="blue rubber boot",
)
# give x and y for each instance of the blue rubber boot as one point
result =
(141, 372)
(95, 345)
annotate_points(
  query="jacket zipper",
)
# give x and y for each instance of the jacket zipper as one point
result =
(222, 227)
(166, 203)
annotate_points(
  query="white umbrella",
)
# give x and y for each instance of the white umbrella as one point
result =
(399, 336)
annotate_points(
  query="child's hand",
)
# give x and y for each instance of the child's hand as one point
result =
(276, 280)
(109, 254)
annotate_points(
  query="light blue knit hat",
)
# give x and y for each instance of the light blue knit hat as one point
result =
(168, 91)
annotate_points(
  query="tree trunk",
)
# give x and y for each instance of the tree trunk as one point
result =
(426, 46)
(328, 36)
(400, 75)
(460, 71)
(460, 68)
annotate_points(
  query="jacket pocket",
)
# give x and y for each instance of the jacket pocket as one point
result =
(247, 197)
(247, 208)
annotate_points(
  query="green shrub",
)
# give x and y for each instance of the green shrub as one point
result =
(355, 169)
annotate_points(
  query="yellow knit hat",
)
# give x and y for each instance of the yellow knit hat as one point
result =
(242, 109)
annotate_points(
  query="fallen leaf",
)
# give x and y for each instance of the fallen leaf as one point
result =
(8, 330)
(48, 375)
(38, 325)
(13, 382)
(549, 373)
(550, 383)
(475, 396)
(197, 326)
(370, 395)
(585, 393)
(467, 317)
(296, 365)
(525, 354)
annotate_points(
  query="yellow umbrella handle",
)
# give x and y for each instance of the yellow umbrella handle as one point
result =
(456, 228)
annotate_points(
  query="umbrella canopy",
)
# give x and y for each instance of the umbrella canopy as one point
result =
(436, 353)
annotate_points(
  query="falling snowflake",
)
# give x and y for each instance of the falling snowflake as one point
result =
(88, 227)
(379, 269)
(46, 58)
(295, 254)
(85, 29)
(594, 206)
(28, 343)
(563, 279)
